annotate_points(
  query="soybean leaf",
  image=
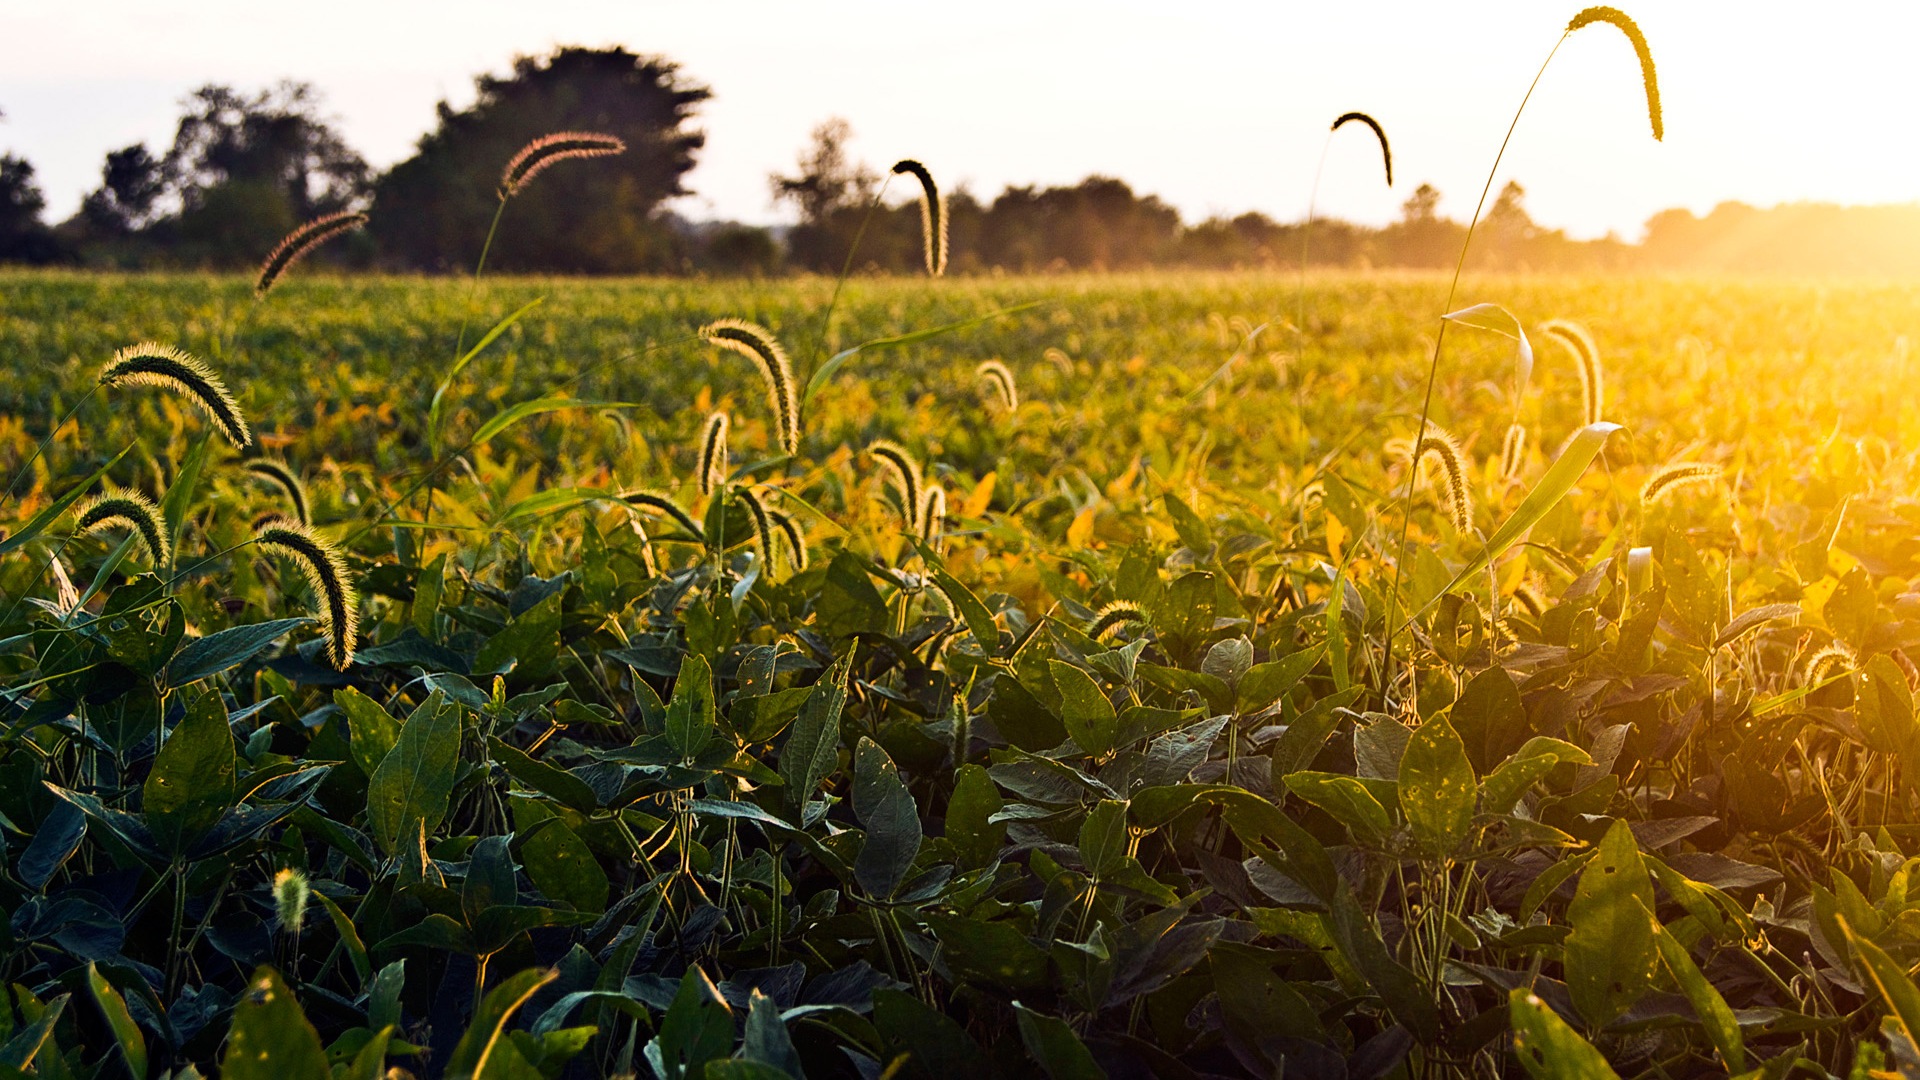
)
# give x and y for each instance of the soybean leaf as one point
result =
(408, 793)
(1055, 1048)
(1547, 1047)
(485, 1052)
(1610, 952)
(126, 1033)
(1084, 709)
(813, 742)
(886, 810)
(192, 782)
(217, 652)
(1437, 792)
(271, 1038)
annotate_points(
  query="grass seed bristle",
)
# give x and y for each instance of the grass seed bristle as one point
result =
(163, 366)
(1822, 663)
(299, 242)
(904, 472)
(795, 541)
(1670, 478)
(663, 503)
(999, 378)
(547, 150)
(128, 510)
(1455, 495)
(1380, 133)
(326, 571)
(933, 516)
(713, 452)
(1649, 78)
(756, 344)
(1513, 452)
(762, 526)
(281, 475)
(1115, 615)
(1586, 355)
(933, 215)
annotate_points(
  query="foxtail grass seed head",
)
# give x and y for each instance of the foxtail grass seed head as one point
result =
(299, 242)
(1380, 133)
(150, 364)
(933, 516)
(999, 379)
(1058, 358)
(1824, 662)
(904, 473)
(933, 215)
(1649, 79)
(326, 572)
(290, 895)
(713, 453)
(1114, 616)
(762, 527)
(1441, 448)
(128, 510)
(756, 344)
(661, 503)
(279, 474)
(1586, 355)
(1670, 478)
(540, 154)
(790, 531)
(1528, 597)
(1513, 452)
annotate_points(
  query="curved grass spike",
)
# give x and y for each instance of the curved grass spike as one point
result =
(1513, 452)
(905, 474)
(1821, 663)
(1441, 447)
(933, 215)
(713, 452)
(326, 572)
(547, 150)
(1669, 478)
(282, 476)
(654, 500)
(762, 528)
(796, 543)
(129, 510)
(1584, 18)
(1115, 615)
(151, 364)
(756, 344)
(933, 516)
(299, 242)
(1649, 78)
(1586, 355)
(1380, 133)
(1000, 378)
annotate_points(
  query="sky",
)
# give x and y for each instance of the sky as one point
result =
(1218, 107)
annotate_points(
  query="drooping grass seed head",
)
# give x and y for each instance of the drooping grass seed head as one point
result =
(662, 503)
(999, 380)
(933, 517)
(1445, 454)
(1586, 355)
(796, 543)
(1670, 478)
(128, 510)
(163, 366)
(713, 453)
(1825, 662)
(903, 472)
(756, 344)
(548, 150)
(282, 476)
(1513, 452)
(757, 516)
(1380, 133)
(1649, 78)
(1114, 616)
(933, 215)
(326, 571)
(1529, 597)
(1059, 359)
(290, 895)
(300, 242)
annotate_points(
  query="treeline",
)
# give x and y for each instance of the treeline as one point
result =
(245, 168)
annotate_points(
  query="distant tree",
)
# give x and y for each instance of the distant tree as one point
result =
(1421, 237)
(24, 238)
(132, 183)
(274, 138)
(431, 211)
(832, 192)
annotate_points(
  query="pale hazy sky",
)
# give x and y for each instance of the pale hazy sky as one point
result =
(1218, 107)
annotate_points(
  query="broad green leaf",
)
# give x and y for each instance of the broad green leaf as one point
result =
(1715, 1016)
(1348, 800)
(1437, 792)
(557, 861)
(1890, 978)
(813, 742)
(975, 799)
(192, 782)
(994, 954)
(371, 730)
(691, 719)
(1547, 1047)
(1559, 479)
(886, 810)
(217, 652)
(1610, 952)
(271, 1038)
(937, 1046)
(1084, 709)
(528, 645)
(485, 1052)
(765, 1041)
(1103, 838)
(1053, 1046)
(408, 793)
(1257, 999)
(1526, 767)
(697, 1029)
(978, 619)
(550, 780)
(126, 1033)
(848, 603)
(490, 879)
(19, 1051)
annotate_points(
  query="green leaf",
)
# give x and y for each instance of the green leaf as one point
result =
(349, 936)
(813, 743)
(490, 879)
(1255, 998)
(1890, 978)
(459, 365)
(886, 810)
(1559, 479)
(528, 645)
(1437, 792)
(936, 1046)
(192, 782)
(697, 1029)
(1547, 1047)
(765, 1041)
(1490, 718)
(1526, 767)
(1103, 838)
(557, 861)
(975, 800)
(506, 418)
(550, 780)
(978, 619)
(1084, 709)
(408, 793)
(1348, 800)
(825, 373)
(371, 730)
(993, 954)
(126, 1033)
(1715, 1016)
(691, 718)
(1055, 1048)
(1610, 952)
(271, 1038)
(217, 652)
(1264, 684)
(848, 603)
(485, 1052)
(53, 510)
(25, 1045)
